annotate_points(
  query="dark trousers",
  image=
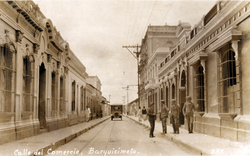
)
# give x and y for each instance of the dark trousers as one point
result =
(152, 125)
(164, 125)
(190, 123)
(175, 123)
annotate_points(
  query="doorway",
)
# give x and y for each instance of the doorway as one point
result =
(42, 98)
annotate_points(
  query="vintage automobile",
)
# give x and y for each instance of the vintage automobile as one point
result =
(116, 111)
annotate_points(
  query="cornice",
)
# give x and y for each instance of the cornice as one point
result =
(225, 20)
(217, 25)
(12, 23)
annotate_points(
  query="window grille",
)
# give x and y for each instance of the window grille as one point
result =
(81, 100)
(73, 97)
(229, 84)
(62, 93)
(161, 94)
(173, 91)
(84, 98)
(27, 85)
(167, 104)
(54, 91)
(7, 76)
(200, 94)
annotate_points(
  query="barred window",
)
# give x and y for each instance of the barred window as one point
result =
(81, 98)
(167, 104)
(84, 98)
(54, 91)
(27, 85)
(73, 96)
(200, 89)
(62, 92)
(7, 76)
(173, 91)
(230, 93)
(161, 94)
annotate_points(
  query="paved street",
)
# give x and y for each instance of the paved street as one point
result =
(125, 136)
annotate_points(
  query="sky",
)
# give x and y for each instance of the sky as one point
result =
(96, 30)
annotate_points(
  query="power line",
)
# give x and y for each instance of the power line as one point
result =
(129, 24)
(125, 30)
(148, 19)
(135, 20)
(139, 25)
(167, 12)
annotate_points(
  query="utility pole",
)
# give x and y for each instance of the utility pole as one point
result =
(136, 54)
(127, 88)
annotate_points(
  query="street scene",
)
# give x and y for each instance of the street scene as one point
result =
(127, 77)
(119, 137)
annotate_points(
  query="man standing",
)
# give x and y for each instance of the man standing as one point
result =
(139, 114)
(151, 119)
(144, 113)
(88, 113)
(164, 116)
(188, 111)
(175, 112)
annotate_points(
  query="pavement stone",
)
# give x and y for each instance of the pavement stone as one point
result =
(200, 144)
(39, 144)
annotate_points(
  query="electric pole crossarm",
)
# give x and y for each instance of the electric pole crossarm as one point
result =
(130, 52)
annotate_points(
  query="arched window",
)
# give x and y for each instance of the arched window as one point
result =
(27, 85)
(200, 89)
(228, 83)
(7, 75)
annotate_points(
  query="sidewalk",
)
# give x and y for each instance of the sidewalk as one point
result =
(41, 143)
(200, 144)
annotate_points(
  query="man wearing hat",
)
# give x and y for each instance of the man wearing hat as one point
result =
(175, 112)
(151, 119)
(164, 116)
(188, 111)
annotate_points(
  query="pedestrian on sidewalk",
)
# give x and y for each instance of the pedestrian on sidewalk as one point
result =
(151, 119)
(164, 116)
(88, 113)
(101, 113)
(188, 112)
(175, 112)
(144, 113)
(139, 114)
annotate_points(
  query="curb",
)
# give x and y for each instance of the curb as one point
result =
(64, 141)
(170, 137)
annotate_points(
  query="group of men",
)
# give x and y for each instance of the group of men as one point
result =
(174, 112)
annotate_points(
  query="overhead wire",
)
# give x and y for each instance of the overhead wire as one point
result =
(129, 23)
(139, 24)
(125, 30)
(138, 6)
(148, 19)
(167, 11)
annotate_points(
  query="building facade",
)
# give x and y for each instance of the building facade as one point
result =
(209, 63)
(96, 96)
(43, 84)
(157, 44)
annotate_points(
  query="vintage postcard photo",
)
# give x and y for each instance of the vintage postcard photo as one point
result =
(124, 77)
